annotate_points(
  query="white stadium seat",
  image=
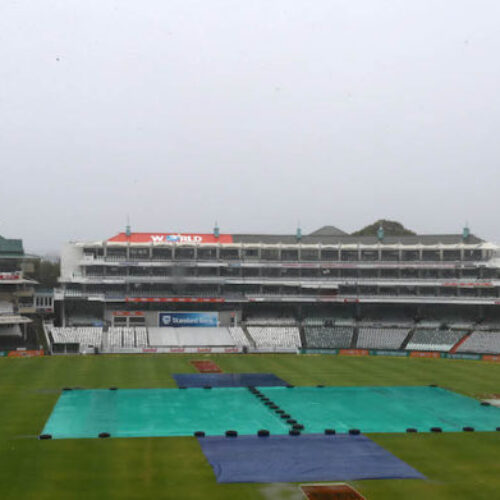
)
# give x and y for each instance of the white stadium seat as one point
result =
(434, 340)
(274, 337)
(482, 342)
(328, 337)
(381, 338)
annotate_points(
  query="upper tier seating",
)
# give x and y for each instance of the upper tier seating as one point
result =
(482, 342)
(326, 337)
(268, 337)
(381, 338)
(434, 340)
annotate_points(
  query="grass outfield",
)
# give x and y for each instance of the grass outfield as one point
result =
(458, 465)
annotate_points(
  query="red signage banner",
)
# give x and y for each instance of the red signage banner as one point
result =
(128, 313)
(174, 299)
(10, 276)
(354, 352)
(24, 354)
(491, 357)
(171, 238)
(469, 284)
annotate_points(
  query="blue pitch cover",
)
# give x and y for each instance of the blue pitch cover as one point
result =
(314, 457)
(227, 379)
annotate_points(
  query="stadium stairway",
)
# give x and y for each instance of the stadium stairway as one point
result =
(354, 340)
(251, 341)
(460, 342)
(408, 338)
(302, 335)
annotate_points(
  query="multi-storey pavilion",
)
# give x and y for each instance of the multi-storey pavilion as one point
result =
(139, 274)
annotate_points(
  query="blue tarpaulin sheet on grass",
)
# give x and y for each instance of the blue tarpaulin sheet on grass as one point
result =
(314, 457)
(228, 379)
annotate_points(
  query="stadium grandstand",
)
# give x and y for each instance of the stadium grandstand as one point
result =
(244, 292)
(16, 294)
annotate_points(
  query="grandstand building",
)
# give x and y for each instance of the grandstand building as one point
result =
(16, 293)
(130, 278)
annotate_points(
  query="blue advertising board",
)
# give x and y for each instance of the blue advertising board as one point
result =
(179, 319)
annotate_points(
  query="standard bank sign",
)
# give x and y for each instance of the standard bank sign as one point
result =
(179, 319)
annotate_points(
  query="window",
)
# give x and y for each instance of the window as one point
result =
(116, 253)
(410, 255)
(184, 253)
(309, 254)
(270, 254)
(369, 254)
(207, 253)
(349, 255)
(229, 253)
(430, 255)
(139, 253)
(290, 273)
(207, 271)
(289, 254)
(328, 254)
(250, 272)
(390, 255)
(349, 273)
(162, 253)
(451, 255)
(230, 271)
(250, 253)
(271, 272)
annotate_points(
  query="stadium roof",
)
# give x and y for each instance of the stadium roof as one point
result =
(327, 235)
(11, 248)
(424, 239)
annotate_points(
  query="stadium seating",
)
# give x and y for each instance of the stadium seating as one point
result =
(325, 337)
(83, 335)
(482, 342)
(141, 336)
(269, 337)
(434, 340)
(265, 321)
(376, 337)
(238, 336)
(190, 337)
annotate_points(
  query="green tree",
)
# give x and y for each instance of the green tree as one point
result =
(391, 228)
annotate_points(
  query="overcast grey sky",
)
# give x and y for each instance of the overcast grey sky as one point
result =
(256, 113)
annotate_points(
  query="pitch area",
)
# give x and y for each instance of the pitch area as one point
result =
(457, 465)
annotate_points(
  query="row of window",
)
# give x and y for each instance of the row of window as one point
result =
(148, 290)
(214, 253)
(277, 272)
